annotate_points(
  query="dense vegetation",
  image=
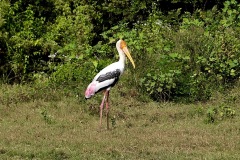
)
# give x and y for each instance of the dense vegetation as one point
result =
(184, 50)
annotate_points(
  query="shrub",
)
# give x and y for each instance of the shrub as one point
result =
(189, 62)
(32, 31)
(219, 113)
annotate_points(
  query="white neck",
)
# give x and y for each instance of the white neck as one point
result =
(122, 56)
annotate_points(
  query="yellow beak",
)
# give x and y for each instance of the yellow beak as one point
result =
(125, 50)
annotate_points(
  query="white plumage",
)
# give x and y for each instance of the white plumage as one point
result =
(108, 76)
(107, 83)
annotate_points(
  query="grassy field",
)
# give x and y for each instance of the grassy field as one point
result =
(37, 123)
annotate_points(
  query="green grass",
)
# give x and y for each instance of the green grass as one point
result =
(51, 124)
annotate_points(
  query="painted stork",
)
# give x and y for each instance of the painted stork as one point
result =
(108, 77)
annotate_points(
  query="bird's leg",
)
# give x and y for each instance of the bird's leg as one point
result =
(101, 109)
(107, 108)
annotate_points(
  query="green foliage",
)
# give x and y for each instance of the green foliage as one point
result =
(46, 116)
(74, 70)
(3, 10)
(215, 114)
(231, 13)
(160, 85)
(23, 31)
(184, 51)
(34, 32)
(187, 61)
(199, 58)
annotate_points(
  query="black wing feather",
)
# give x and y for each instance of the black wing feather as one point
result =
(109, 75)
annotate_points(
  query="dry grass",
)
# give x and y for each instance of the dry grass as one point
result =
(66, 127)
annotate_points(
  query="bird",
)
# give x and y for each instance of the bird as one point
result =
(108, 77)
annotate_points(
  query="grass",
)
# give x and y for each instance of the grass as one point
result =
(42, 123)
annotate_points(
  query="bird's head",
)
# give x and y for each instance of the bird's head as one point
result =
(123, 46)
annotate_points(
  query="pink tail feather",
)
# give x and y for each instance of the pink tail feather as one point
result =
(90, 91)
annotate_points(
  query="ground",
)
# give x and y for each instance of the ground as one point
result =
(65, 126)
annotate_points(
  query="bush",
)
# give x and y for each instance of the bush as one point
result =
(219, 113)
(32, 32)
(181, 54)
(192, 61)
